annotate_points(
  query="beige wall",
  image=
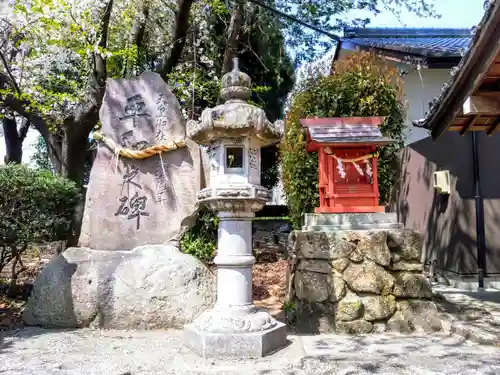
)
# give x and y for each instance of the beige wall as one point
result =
(419, 90)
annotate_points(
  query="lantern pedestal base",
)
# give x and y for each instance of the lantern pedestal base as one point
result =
(239, 345)
(329, 222)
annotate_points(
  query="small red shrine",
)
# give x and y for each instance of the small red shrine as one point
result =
(346, 147)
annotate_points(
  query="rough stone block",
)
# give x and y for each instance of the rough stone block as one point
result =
(235, 345)
(311, 286)
(407, 243)
(313, 318)
(341, 249)
(355, 327)
(340, 265)
(374, 247)
(407, 266)
(149, 201)
(317, 266)
(136, 289)
(423, 315)
(349, 309)
(400, 323)
(379, 307)
(411, 285)
(337, 288)
(311, 245)
(369, 278)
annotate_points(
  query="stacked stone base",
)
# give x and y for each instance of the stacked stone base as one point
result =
(359, 281)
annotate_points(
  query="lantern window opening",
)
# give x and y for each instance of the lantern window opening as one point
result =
(234, 159)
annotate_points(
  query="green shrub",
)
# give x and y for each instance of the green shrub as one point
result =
(201, 240)
(35, 206)
(362, 85)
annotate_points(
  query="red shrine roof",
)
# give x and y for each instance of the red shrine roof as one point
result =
(345, 130)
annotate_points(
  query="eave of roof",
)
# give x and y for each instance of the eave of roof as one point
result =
(418, 43)
(482, 50)
(345, 130)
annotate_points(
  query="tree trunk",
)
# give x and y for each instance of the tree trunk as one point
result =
(233, 33)
(74, 148)
(181, 27)
(74, 154)
(13, 145)
(14, 139)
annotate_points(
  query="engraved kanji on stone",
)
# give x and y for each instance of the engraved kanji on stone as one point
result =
(141, 145)
(131, 173)
(161, 187)
(162, 123)
(133, 208)
(135, 108)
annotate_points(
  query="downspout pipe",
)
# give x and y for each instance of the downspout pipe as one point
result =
(480, 231)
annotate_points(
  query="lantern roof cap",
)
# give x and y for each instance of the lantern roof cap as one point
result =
(235, 118)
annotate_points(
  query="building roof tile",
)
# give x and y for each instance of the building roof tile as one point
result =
(346, 130)
(428, 42)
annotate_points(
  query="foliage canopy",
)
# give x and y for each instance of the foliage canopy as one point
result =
(35, 206)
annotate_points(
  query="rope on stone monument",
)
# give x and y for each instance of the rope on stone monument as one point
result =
(138, 154)
(194, 74)
(163, 167)
(116, 158)
(353, 160)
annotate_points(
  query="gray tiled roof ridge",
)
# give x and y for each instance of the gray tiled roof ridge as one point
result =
(409, 32)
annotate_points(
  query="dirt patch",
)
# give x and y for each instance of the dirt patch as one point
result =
(13, 300)
(11, 310)
(269, 286)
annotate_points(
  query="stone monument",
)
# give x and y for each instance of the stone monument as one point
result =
(136, 200)
(234, 132)
(128, 271)
(354, 268)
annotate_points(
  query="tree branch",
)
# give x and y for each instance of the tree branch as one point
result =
(18, 106)
(9, 73)
(179, 39)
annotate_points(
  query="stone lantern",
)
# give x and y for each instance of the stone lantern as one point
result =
(234, 132)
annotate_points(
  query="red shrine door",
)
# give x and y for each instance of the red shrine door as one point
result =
(347, 186)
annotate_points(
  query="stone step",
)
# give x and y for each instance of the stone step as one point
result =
(350, 218)
(350, 227)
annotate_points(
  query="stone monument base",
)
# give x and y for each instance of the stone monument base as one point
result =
(358, 273)
(240, 345)
(149, 287)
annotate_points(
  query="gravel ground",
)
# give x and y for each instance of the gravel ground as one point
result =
(33, 351)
